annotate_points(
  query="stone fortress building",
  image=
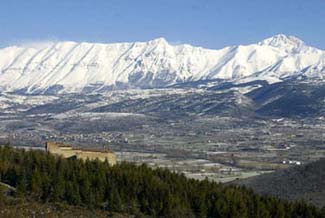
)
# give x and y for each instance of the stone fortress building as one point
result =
(67, 151)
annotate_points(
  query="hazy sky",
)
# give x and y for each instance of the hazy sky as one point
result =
(207, 23)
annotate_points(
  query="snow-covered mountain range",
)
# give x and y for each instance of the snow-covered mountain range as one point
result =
(76, 67)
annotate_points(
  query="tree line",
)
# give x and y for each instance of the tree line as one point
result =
(137, 190)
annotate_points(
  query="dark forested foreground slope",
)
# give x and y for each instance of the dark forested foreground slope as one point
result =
(13, 207)
(136, 190)
(302, 182)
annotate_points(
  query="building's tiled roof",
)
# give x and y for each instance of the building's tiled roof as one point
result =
(95, 150)
(88, 149)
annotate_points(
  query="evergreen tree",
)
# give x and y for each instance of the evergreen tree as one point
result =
(21, 188)
(36, 184)
(137, 190)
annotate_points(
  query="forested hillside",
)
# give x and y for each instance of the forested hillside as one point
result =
(301, 182)
(136, 190)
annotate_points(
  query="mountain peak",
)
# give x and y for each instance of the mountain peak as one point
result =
(159, 40)
(290, 43)
(75, 66)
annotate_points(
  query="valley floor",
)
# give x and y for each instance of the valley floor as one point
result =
(196, 132)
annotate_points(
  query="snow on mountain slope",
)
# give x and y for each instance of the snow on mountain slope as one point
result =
(75, 67)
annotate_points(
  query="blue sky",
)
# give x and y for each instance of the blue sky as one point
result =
(207, 23)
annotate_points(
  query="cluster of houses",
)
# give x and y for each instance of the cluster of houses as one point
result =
(292, 162)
